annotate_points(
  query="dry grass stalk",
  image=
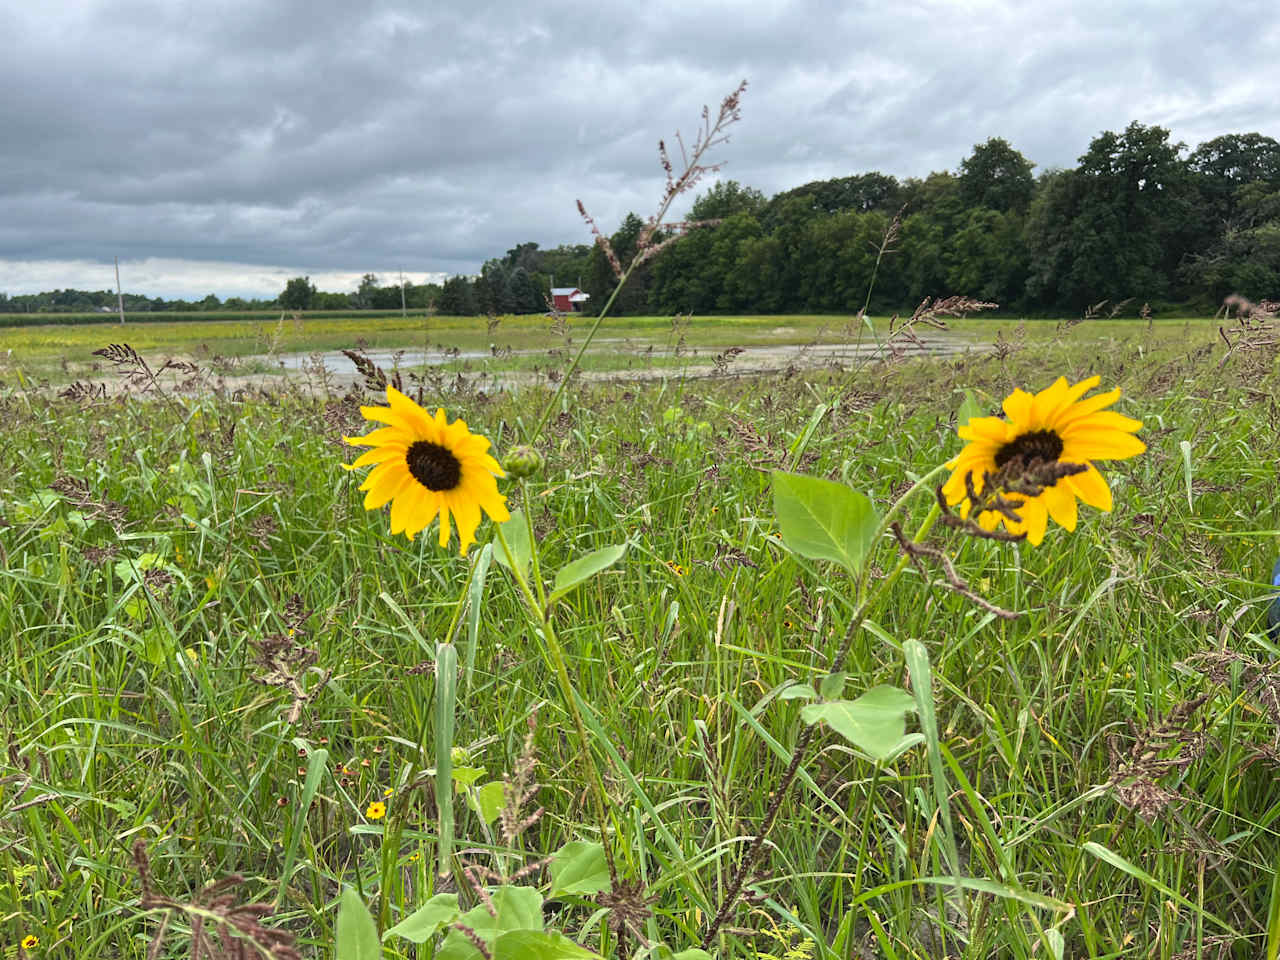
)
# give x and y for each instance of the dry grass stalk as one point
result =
(953, 580)
(1166, 746)
(221, 929)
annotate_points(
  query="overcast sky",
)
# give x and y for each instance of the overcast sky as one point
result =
(224, 146)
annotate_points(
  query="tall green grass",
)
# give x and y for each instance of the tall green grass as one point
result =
(133, 710)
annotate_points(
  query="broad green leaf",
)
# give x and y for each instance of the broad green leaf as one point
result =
(466, 776)
(823, 520)
(969, 409)
(832, 685)
(356, 937)
(531, 945)
(487, 801)
(519, 908)
(798, 691)
(428, 920)
(875, 723)
(579, 867)
(584, 568)
(516, 531)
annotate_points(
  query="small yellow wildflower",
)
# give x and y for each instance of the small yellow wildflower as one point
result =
(388, 792)
(376, 810)
(30, 942)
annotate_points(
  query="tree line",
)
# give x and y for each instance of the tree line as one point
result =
(1140, 217)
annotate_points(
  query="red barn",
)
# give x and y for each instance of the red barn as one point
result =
(568, 299)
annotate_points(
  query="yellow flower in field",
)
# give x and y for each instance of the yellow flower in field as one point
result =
(30, 942)
(1053, 427)
(376, 810)
(427, 466)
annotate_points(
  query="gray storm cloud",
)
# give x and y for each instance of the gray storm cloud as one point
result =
(321, 138)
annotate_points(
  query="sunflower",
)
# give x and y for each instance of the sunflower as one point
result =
(1056, 428)
(428, 466)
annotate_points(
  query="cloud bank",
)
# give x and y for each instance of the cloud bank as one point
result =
(225, 146)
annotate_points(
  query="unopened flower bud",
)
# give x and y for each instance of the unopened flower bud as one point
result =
(523, 461)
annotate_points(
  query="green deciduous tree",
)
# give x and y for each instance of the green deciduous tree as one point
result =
(298, 294)
(996, 176)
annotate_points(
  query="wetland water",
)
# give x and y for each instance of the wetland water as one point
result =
(627, 358)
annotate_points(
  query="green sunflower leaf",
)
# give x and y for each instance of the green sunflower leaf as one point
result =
(516, 531)
(535, 945)
(487, 801)
(579, 867)
(428, 920)
(584, 568)
(875, 723)
(823, 520)
(356, 936)
(518, 908)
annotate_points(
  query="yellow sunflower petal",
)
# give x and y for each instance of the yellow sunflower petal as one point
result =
(425, 514)
(495, 505)
(1092, 488)
(1104, 420)
(1035, 518)
(1076, 391)
(992, 429)
(388, 416)
(403, 507)
(444, 522)
(410, 411)
(1017, 406)
(387, 488)
(376, 455)
(1046, 403)
(378, 437)
(381, 472)
(1084, 408)
(1101, 445)
(467, 515)
(1061, 503)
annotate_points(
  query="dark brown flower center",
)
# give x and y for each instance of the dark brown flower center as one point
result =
(1039, 445)
(433, 466)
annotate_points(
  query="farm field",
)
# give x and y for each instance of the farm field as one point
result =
(247, 351)
(222, 660)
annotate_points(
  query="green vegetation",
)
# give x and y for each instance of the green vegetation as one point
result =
(220, 654)
(1139, 220)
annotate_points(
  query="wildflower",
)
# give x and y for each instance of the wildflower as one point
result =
(388, 792)
(427, 466)
(376, 810)
(1053, 429)
(30, 942)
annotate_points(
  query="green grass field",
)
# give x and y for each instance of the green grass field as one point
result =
(166, 560)
(63, 353)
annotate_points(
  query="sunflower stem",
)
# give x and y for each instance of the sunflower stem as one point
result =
(802, 741)
(556, 654)
(533, 548)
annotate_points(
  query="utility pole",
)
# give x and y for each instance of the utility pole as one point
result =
(119, 295)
